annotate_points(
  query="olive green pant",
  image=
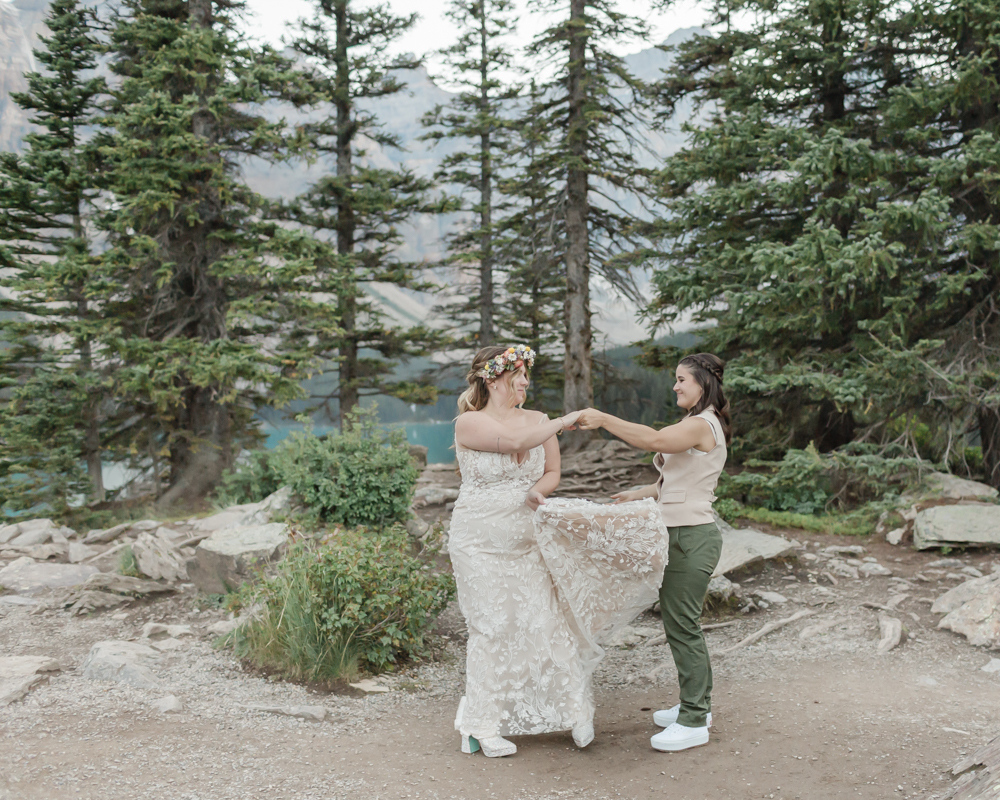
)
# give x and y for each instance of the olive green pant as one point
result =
(694, 555)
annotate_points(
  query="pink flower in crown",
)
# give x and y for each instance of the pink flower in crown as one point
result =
(512, 358)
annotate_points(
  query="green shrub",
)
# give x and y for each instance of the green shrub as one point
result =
(362, 476)
(359, 599)
(808, 482)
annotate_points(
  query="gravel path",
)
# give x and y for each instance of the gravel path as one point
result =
(820, 717)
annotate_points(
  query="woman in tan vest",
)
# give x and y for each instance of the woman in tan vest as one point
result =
(690, 458)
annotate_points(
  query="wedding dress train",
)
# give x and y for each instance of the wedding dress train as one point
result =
(540, 593)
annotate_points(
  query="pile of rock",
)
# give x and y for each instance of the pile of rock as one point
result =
(972, 609)
(946, 511)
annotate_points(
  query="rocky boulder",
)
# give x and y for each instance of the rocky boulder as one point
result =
(34, 531)
(744, 546)
(943, 486)
(963, 593)
(273, 507)
(957, 525)
(18, 674)
(26, 576)
(228, 557)
(121, 662)
(158, 559)
(978, 620)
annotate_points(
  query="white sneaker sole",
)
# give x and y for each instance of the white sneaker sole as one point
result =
(668, 717)
(674, 745)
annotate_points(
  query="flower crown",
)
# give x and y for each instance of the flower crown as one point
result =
(511, 358)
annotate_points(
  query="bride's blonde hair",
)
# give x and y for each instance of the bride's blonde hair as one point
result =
(477, 395)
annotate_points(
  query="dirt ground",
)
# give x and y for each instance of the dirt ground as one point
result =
(822, 717)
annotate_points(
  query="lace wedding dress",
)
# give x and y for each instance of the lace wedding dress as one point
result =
(541, 592)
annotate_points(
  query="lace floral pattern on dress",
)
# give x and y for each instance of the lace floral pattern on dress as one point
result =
(539, 592)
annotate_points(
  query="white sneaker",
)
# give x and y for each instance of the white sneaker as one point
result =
(668, 716)
(677, 737)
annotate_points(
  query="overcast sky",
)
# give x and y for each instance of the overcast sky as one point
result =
(267, 20)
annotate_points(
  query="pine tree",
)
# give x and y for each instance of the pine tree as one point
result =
(54, 363)
(820, 221)
(478, 115)
(360, 206)
(531, 242)
(217, 303)
(591, 113)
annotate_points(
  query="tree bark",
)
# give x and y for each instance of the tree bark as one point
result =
(578, 391)
(989, 438)
(487, 335)
(348, 369)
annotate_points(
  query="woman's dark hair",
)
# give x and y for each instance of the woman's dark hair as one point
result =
(707, 370)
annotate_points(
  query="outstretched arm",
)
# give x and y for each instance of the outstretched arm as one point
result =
(689, 432)
(475, 430)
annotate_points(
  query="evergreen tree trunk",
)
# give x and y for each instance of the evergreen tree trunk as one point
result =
(198, 459)
(989, 438)
(487, 335)
(578, 391)
(347, 307)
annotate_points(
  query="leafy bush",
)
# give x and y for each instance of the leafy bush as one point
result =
(127, 564)
(808, 482)
(362, 476)
(359, 599)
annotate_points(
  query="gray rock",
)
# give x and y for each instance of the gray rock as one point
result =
(39, 552)
(78, 552)
(962, 524)
(8, 532)
(151, 629)
(626, 636)
(229, 518)
(771, 597)
(227, 558)
(721, 589)
(890, 632)
(158, 559)
(107, 535)
(842, 568)
(18, 674)
(169, 705)
(25, 576)
(943, 486)
(419, 454)
(869, 569)
(35, 531)
(962, 594)
(312, 713)
(121, 662)
(17, 600)
(224, 627)
(744, 546)
(434, 495)
(845, 550)
(895, 536)
(416, 527)
(992, 667)
(272, 508)
(978, 620)
(944, 563)
(971, 572)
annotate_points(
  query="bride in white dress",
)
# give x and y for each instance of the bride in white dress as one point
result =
(541, 583)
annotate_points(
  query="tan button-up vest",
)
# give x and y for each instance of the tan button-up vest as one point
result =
(688, 480)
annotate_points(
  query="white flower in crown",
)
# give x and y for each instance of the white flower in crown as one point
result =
(511, 358)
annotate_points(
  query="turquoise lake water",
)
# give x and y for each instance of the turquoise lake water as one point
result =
(437, 437)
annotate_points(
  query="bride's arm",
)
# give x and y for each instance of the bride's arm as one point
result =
(689, 432)
(549, 481)
(475, 430)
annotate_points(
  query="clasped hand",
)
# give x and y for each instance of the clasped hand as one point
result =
(587, 420)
